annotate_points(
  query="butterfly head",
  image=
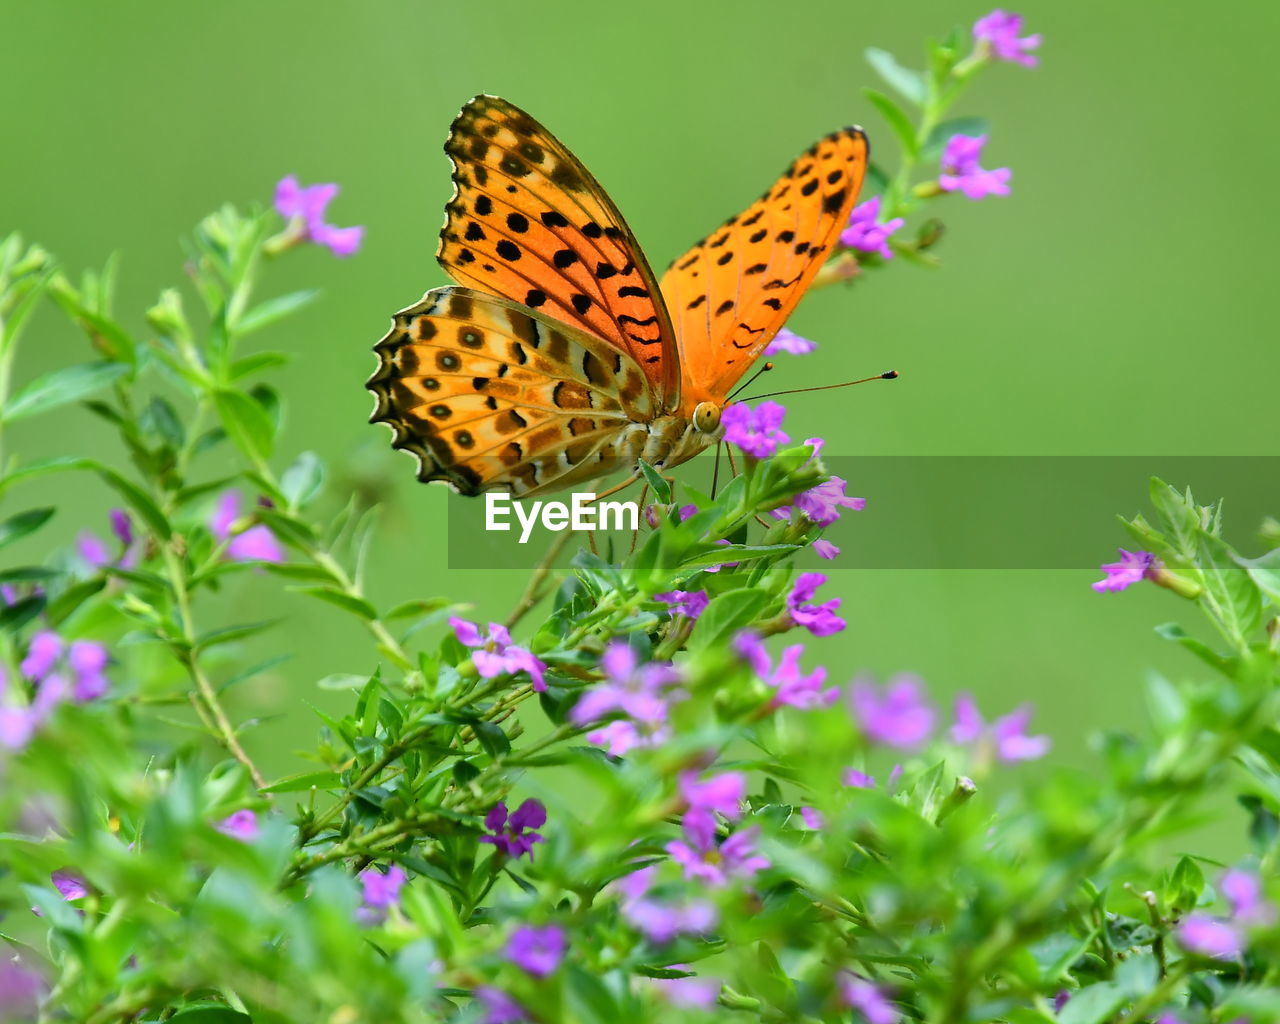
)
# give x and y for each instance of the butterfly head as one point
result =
(706, 417)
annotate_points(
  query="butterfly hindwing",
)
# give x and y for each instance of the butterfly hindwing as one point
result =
(529, 222)
(730, 293)
(491, 394)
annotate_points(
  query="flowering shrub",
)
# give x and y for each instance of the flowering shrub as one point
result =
(629, 810)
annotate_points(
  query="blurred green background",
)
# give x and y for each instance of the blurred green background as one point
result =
(1117, 303)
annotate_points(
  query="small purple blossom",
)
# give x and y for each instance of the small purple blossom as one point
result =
(241, 824)
(1006, 734)
(1061, 1000)
(961, 171)
(626, 683)
(1211, 936)
(696, 992)
(825, 549)
(721, 793)
(69, 884)
(818, 619)
(794, 687)
(898, 716)
(865, 234)
(43, 652)
(999, 32)
(537, 951)
(690, 603)
(715, 864)
(789, 342)
(1243, 892)
(822, 504)
(757, 432)
(382, 888)
(255, 544)
(855, 779)
(499, 1008)
(1132, 567)
(496, 655)
(515, 835)
(20, 990)
(306, 207)
(750, 648)
(867, 999)
(92, 549)
(85, 660)
(812, 818)
(660, 921)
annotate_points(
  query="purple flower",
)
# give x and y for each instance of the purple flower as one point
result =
(818, 619)
(509, 833)
(660, 922)
(495, 655)
(825, 549)
(627, 686)
(241, 824)
(86, 661)
(1061, 1000)
(721, 793)
(1210, 936)
(92, 549)
(382, 888)
(499, 1008)
(822, 504)
(306, 206)
(867, 998)
(1133, 566)
(256, 544)
(1007, 734)
(897, 716)
(1243, 892)
(793, 687)
(20, 990)
(855, 779)
(704, 860)
(758, 432)
(646, 729)
(537, 951)
(17, 727)
(999, 31)
(69, 884)
(42, 654)
(864, 234)
(789, 342)
(812, 818)
(690, 603)
(961, 171)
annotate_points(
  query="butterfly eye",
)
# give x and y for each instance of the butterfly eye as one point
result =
(706, 417)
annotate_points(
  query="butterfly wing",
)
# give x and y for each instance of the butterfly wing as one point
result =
(731, 292)
(529, 222)
(490, 394)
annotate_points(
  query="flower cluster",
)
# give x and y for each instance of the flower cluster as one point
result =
(640, 694)
(962, 172)
(1226, 937)
(57, 671)
(495, 655)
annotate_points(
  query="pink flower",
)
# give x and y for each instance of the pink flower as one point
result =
(897, 716)
(306, 206)
(758, 433)
(818, 619)
(1210, 936)
(1007, 734)
(499, 1008)
(822, 504)
(537, 951)
(698, 993)
(864, 234)
(825, 549)
(20, 990)
(789, 342)
(716, 864)
(660, 921)
(242, 825)
(496, 655)
(999, 31)
(382, 888)
(69, 884)
(1243, 892)
(515, 835)
(812, 818)
(855, 779)
(1132, 567)
(867, 999)
(962, 173)
(255, 544)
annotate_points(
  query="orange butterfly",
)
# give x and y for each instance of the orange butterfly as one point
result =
(561, 356)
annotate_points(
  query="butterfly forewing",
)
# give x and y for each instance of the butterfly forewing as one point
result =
(529, 222)
(488, 393)
(730, 293)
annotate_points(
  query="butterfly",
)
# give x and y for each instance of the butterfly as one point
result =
(559, 355)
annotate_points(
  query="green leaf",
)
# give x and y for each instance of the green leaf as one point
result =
(897, 120)
(14, 616)
(24, 523)
(661, 488)
(246, 423)
(1265, 573)
(347, 602)
(136, 498)
(937, 140)
(342, 681)
(209, 1013)
(305, 781)
(268, 312)
(1228, 588)
(230, 634)
(60, 388)
(1094, 1004)
(302, 481)
(742, 553)
(726, 614)
(492, 738)
(909, 84)
(246, 365)
(1178, 516)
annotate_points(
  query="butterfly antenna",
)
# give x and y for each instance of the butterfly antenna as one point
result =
(887, 375)
(754, 377)
(715, 472)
